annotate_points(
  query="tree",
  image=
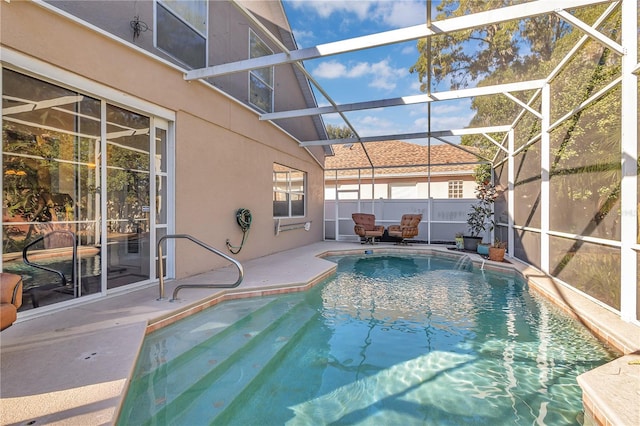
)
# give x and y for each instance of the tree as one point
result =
(337, 132)
(468, 56)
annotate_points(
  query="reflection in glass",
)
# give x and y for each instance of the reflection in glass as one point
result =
(179, 39)
(128, 197)
(50, 148)
(161, 151)
(161, 199)
(289, 187)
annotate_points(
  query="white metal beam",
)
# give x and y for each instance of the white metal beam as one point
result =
(545, 187)
(463, 148)
(405, 136)
(511, 199)
(523, 105)
(610, 10)
(415, 32)
(629, 167)
(252, 18)
(408, 100)
(600, 93)
(359, 43)
(590, 31)
(495, 142)
(36, 105)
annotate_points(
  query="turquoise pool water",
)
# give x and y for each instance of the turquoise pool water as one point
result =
(387, 341)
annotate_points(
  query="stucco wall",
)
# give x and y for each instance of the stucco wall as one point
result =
(224, 154)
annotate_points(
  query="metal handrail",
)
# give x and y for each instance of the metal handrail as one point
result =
(55, 271)
(203, 245)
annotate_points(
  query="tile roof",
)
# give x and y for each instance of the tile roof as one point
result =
(393, 154)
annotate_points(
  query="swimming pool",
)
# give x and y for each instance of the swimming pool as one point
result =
(388, 340)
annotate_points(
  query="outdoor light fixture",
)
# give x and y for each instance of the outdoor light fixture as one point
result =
(138, 27)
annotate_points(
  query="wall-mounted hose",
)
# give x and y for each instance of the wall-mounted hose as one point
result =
(243, 217)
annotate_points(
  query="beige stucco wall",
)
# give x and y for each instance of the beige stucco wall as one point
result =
(224, 154)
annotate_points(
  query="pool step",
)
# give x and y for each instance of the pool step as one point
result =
(161, 395)
(175, 345)
(218, 392)
(178, 361)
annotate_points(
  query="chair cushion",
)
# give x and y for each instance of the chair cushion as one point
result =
(408, 227)
(11, 289)
(8, 315)
(410, 220)
(10, 298)
(366, 220)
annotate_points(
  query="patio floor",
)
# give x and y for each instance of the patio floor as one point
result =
(72, 366)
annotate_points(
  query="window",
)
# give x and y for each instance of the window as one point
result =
(399, 191)
(181, 28)
(455, 189)
(289, 187)
(261, 79)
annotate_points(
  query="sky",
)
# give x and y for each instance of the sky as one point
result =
(370, 74)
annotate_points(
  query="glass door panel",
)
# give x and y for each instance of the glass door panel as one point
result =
(50, 139)
(160, 168)
(128, 197)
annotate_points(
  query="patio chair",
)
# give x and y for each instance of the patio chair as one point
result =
(366, 227)
(408, 228)
(10, 298)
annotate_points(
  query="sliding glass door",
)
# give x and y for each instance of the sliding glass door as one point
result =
(84, 180)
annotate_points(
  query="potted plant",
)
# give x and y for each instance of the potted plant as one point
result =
(483, 248)
(479, 218)
(497, 250)
(459, 241)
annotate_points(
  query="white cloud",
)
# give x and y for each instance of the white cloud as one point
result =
(400, 13)
(383, 75)
(358, 70)
(303, 37)
(326, 8)
(393, 13)
(410, 50)
(371, 126)
(415, 85)
(330, 69)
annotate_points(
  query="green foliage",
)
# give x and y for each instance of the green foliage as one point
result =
(468, 56)
(482, 173)
(337, 132)
(479, 218)
(597, 274)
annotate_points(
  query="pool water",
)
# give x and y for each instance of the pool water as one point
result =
(387, 341)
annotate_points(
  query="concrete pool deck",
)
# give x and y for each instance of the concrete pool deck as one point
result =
(72, 366)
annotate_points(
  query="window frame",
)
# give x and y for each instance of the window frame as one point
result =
(288, 191)
(256, 74)
(455, 187)
(187, 25)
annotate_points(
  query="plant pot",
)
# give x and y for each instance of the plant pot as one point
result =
(483, 249)
(471, 243)
(459, 243)
(496, 254)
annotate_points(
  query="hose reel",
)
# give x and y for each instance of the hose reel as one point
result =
(243, 218)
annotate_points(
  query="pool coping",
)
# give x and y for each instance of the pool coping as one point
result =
(64, 368)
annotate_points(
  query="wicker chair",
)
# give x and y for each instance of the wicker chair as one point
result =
(408, 227)
(366, 227)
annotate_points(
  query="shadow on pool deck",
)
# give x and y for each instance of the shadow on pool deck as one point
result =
(72, 366)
